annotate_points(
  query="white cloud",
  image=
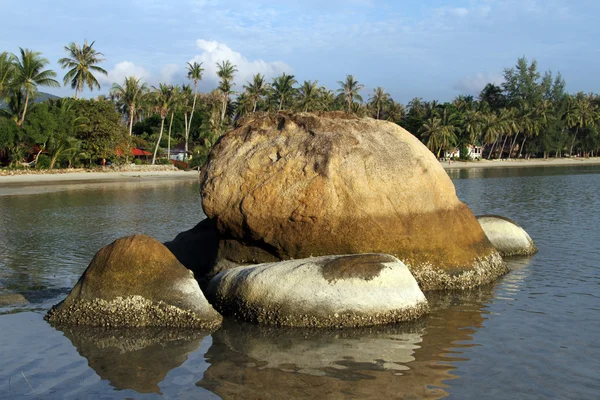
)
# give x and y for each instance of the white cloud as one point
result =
(456, 12)
(475, 83)
(123, 70)
(214, 52)
(167, 73)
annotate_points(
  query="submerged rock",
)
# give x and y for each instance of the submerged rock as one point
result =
(136, 281)
(328, 291)
(506, 236)
(291, 186)
(12, 299)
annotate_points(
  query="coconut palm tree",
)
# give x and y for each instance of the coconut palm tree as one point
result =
(379, 98)
(471, 125)
(283, 87)
(582, 114)
(349, 90)
(7, 70)
(82, 62)
(130, 96)
(438, 135)
(30, 73)
(256, 89)
(162, 100)
(308, 96)
(327, 98)
(185, 98)
(226, 71)
(394, 112)
(194, 72)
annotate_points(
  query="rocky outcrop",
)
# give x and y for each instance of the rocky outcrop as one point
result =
(291, 186)
(336, 291)
(136, 281)
(506, 236)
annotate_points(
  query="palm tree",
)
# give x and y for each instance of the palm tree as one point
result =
(256, 89)
(129, 95)
(226, 71)
(395, 111)
(327, 98)
(185, 97)
(379, 99)
(439, 136)
(162, 99)
(308, 96)
(471, 124)
(582, 114)
(81, 62)
(30, 73)
(194, 73)
(283, 86)
(6, 72)
(349, 90)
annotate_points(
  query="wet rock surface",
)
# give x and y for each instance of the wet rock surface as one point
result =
(320, 292)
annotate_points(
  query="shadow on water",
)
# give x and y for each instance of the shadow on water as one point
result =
(410, 360)
(137, 359)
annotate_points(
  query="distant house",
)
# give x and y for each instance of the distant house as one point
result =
(178, 153)
(473, 152)
(452, 153)
(139, 153)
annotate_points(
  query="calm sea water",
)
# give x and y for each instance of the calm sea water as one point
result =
(533, 334)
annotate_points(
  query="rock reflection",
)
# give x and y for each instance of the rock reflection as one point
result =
(396, 361)
(137, 359)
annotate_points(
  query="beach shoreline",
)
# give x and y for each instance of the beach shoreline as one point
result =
(519, 163)
(31, 183)
(31, 179)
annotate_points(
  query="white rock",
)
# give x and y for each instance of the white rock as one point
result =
(350, 290)
(506, 236)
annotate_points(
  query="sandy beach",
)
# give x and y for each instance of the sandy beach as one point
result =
(534, 162)
(24, 184)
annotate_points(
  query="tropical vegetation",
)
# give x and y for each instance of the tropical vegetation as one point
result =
(529, 114)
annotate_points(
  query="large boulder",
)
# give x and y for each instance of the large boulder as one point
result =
(506, 236)
(136, 281)
(327, 291)
(290, 186)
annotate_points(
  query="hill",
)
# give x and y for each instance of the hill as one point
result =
(39, 98)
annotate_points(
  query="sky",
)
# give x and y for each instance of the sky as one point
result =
(434, 49)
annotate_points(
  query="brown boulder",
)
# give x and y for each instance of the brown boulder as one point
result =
(136, 281)
(291, 186)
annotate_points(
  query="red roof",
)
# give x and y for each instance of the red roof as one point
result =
(139, 152)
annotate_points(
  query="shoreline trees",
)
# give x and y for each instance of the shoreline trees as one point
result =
(530, 113)
(82, 63)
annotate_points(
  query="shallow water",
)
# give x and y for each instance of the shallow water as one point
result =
(533, 334)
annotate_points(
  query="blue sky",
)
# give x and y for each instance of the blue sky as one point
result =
(429, 49)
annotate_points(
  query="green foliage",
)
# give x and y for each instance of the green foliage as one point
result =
(100, 130)
(43, 162)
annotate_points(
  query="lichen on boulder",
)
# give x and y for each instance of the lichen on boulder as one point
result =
(291, 186)
(136, 281)
(327, 291)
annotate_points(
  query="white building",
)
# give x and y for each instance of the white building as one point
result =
(473, 152)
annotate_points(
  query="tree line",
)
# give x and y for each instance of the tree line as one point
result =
(529, 114)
